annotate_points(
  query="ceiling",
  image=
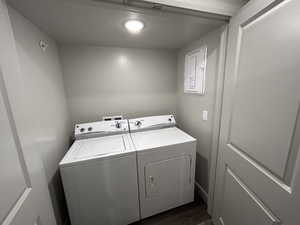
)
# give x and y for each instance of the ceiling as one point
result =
(98, 23)
(224, 7)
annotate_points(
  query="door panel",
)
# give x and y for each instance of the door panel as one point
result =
(17, 201)
(266, 100)
(258, 178)
(12, 179)
(24, 197)
(257, 212)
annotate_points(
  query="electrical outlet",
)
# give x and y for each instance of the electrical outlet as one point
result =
(204, 115)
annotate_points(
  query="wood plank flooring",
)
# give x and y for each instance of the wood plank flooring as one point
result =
(190, 214)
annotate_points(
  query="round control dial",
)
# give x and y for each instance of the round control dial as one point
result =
(138, 123)
(118, 125)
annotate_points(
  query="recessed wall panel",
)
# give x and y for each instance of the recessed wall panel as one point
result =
(241, 206)
(266, 100)
(12, 180)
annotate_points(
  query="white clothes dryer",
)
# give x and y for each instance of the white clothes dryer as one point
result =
(166, 163)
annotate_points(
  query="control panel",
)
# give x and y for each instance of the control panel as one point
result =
(152, 122)
(100, 128)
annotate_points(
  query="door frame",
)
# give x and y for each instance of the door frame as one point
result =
(217, 117)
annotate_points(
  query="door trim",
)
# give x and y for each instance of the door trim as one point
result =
(217, 117)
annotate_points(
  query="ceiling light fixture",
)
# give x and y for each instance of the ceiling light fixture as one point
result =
(134, 26)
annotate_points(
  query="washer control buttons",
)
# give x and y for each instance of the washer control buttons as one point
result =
(90, 129)
(138, 123)
(82, 130)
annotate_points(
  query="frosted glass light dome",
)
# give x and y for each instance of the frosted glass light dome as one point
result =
(134, 26)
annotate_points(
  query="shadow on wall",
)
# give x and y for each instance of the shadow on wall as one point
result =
(202, 170)
(191, 106)
(58, 199)
(57, 195)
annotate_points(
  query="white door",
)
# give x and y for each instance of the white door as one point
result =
(258, 174)
(21, 203)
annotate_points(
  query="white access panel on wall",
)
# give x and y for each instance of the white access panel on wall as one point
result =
(194, 72)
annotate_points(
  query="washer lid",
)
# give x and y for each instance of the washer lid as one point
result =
(100, 146)
(107, 146)
(152, 139)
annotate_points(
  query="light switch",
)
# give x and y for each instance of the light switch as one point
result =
(204, 115)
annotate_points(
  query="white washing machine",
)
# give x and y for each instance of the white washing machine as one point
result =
(99, 174)
(166, 163)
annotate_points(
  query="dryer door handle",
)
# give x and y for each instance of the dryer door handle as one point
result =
(150, 184)
(151, 179)
(190, 168)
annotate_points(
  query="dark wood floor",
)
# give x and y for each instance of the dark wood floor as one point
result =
(190, 214)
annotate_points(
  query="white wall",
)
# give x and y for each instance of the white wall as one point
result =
(110, 81)
(139, 82)
(190, 106)
(45, 115)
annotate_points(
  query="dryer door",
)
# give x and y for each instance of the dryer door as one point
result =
(166, 180)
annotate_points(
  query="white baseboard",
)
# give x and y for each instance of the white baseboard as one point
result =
(203, 194)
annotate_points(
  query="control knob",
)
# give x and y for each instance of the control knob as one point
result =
(138, 123)
(118, 125)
